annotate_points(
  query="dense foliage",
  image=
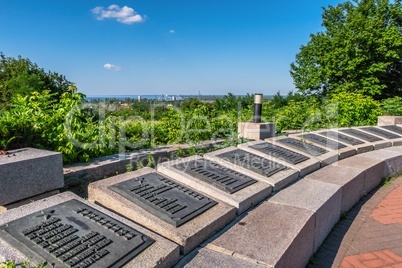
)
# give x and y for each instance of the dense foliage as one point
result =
(359, 51)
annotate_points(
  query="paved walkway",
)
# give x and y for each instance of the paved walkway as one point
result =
(370, 235)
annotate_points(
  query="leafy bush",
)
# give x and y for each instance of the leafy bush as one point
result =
(392, 106)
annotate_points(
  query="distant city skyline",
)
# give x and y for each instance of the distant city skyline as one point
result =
(149, 47)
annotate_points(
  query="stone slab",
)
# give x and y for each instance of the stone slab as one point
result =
(350, 179)
(277, 180)
(342, 152)
(323, 198)
(207, 258)
(304, 167)
(162, 253)
(273, 234)
(256, 131)
(28, 172)
(325, 159)
(392, 160)
(394, 142)
(242, 199)
(360, 148)
(376, 144)
(389, 120)
(28, 200)
(373, 170)
(188, 236)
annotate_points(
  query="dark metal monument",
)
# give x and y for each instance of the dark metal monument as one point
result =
(221, 177)
(323, 141)
(393, 128)
(73, 234)
(280, 152)
(341, 137)
(303, 146)
(381, 133)
(361, 135)
(166, 199)
(252, 162)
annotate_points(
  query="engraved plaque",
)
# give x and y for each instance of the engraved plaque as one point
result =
(252, 162)
(381, 133)
(221, 177)
(303, 146)
(323, 141)
(393, 128)
(166, 199)
(341, 137)
(360, 135)
(73, 234)
(280, 152)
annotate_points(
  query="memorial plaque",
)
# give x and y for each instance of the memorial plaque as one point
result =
(381, 133)
(341, 137)
(221, 177)
(303, 146)
(280, 152)
(361, 135)
(166, 199)
(253, 162)
(73, 234)
(393, 128)
(323, 141)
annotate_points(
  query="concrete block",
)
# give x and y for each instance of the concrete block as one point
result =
(28, 172)
(350, 179)
(342, 152)
(272, 234)
(389, 120)
(392, 160)
(188, 236)
(277, 180)
(325, 159)
(242, 199)
(360, 148)
(256, 131)
(373, 170)
(323, 198)
(162, 253)
(28, 200)
(394, 141)
(206, 258)
(305, 167)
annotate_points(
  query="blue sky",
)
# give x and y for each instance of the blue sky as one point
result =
(163, 47)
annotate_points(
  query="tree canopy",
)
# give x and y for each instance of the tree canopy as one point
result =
(359, 50)
(21, 76)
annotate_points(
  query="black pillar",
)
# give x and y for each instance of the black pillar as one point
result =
(258, 98)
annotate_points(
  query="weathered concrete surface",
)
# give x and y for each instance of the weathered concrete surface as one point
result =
(28, 200)
(373, 169)
(392, 160)
(28, 172)
(242, 199)
(272, 234)
(304, 167)
(323, 198)
(256, 131)
(325, 159)
(188, 235)
(389, 120)
(350, 179)
(277, 180)
(162, 253)
(207, 258)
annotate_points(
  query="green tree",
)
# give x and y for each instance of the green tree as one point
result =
(359, 50)
(21, 76)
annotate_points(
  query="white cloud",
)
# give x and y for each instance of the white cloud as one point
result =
(112, 67)
(171, 31)
(125, 15)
